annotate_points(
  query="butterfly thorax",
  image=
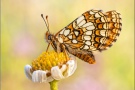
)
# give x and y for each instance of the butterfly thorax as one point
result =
(50, 38)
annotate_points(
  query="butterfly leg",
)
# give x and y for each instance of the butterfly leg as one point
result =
(64, 50)
(61, 48)
(48, 46)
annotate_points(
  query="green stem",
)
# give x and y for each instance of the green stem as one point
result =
(54, 85)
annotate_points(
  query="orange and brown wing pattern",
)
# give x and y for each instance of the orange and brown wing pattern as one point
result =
(93, 30)
(113, 29)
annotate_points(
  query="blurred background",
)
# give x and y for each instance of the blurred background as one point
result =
(22, 40)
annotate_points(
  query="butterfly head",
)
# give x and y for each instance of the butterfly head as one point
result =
(49, 37)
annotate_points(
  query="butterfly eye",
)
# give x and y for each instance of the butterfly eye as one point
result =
(49, 37)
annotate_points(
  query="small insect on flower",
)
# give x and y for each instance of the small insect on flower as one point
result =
(92, 31)
(50, 66)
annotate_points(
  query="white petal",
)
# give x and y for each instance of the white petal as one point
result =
(72, 57)
(44, 77)
(50, 78)
(71, 68)
(63, 68)
(75, 66)
(27, 71)
(39, 76)
(56, 73)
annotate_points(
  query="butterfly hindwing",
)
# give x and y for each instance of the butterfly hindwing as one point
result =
(86, 56)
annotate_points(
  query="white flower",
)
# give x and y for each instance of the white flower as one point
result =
(56, 72)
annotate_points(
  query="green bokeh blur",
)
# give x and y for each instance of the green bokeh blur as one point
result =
(22, 40)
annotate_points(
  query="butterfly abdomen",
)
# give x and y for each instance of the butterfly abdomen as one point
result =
(83, 55)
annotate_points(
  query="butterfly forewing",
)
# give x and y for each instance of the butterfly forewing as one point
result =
(92, 31)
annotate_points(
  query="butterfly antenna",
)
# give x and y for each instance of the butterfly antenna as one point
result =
(46, 21)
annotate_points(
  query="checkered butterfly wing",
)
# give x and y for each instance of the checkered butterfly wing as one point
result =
(92, 31)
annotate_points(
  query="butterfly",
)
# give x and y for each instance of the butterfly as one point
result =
(92, 31)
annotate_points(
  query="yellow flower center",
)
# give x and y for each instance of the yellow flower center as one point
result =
(49, 59)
